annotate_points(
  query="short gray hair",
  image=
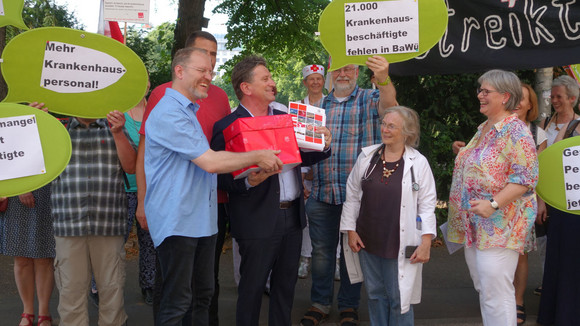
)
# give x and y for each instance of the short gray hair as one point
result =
(504, 82)
(182, 56)
(411, 128)
(571, 86)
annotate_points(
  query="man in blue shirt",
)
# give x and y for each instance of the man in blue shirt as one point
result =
(181, 201)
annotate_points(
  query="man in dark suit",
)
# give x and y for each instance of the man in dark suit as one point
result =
(266, 208)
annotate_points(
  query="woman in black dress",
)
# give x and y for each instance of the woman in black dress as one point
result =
(26, 234)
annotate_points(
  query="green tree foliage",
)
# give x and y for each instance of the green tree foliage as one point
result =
(449, 110)
(288, 79)
(154, 48)
(45, 13)
(278, 30)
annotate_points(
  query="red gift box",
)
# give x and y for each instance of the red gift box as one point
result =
(274, 132)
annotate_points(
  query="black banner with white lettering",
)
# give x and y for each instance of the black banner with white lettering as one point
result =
(505, 34)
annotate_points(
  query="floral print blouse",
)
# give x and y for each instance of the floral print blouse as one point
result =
(506, 154)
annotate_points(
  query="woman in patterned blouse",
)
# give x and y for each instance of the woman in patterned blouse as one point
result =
(492, 205)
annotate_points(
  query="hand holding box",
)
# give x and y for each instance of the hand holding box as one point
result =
(274, 132)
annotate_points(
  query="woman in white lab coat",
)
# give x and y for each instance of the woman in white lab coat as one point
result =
(389, 218)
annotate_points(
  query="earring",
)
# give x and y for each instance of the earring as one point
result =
(503, 103)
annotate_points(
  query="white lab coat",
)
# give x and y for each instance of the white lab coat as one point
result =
(413, 204)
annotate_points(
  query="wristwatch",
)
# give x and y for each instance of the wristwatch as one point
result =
(494, 204)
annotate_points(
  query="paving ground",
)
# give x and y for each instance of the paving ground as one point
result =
(448, 295)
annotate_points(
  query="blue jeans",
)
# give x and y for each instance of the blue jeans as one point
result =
(324, 223)
(382, 285)
(187, 268)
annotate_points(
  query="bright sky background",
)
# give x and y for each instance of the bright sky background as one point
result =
(160, 11)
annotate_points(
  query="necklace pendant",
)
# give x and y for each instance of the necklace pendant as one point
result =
(387, 172)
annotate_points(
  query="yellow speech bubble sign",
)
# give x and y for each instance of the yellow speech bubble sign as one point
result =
(11, 13)
(552, 183)
(399, 30)
(55, 142)
(73, 72)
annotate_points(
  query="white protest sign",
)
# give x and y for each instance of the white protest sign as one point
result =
(130, 11)
(571, 165)
(20, 148)
(69, 68)
(381, 27)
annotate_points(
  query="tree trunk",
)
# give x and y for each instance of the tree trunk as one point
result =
(543, 90)
(189, 19)
(3, 86)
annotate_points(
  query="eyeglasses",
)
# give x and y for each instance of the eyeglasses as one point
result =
(390, 126)
(203, 71)
(484, 91)
(346, 70)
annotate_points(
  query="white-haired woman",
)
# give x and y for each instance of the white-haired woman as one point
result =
(390, 210)
(564, 97)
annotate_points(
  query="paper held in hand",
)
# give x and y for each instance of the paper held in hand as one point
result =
(305, 118)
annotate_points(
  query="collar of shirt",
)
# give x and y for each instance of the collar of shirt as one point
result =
(498, 126)
(332, 97)
(184, 101)
(270, 110)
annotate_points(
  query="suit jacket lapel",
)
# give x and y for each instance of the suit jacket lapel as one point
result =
(241, 112)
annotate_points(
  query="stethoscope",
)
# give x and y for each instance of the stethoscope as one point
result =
(375, 159)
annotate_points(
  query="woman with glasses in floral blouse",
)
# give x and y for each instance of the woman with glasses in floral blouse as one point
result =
(492, 205)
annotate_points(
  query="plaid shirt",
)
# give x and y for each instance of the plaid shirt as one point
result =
(354, 124)
(88, 198)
